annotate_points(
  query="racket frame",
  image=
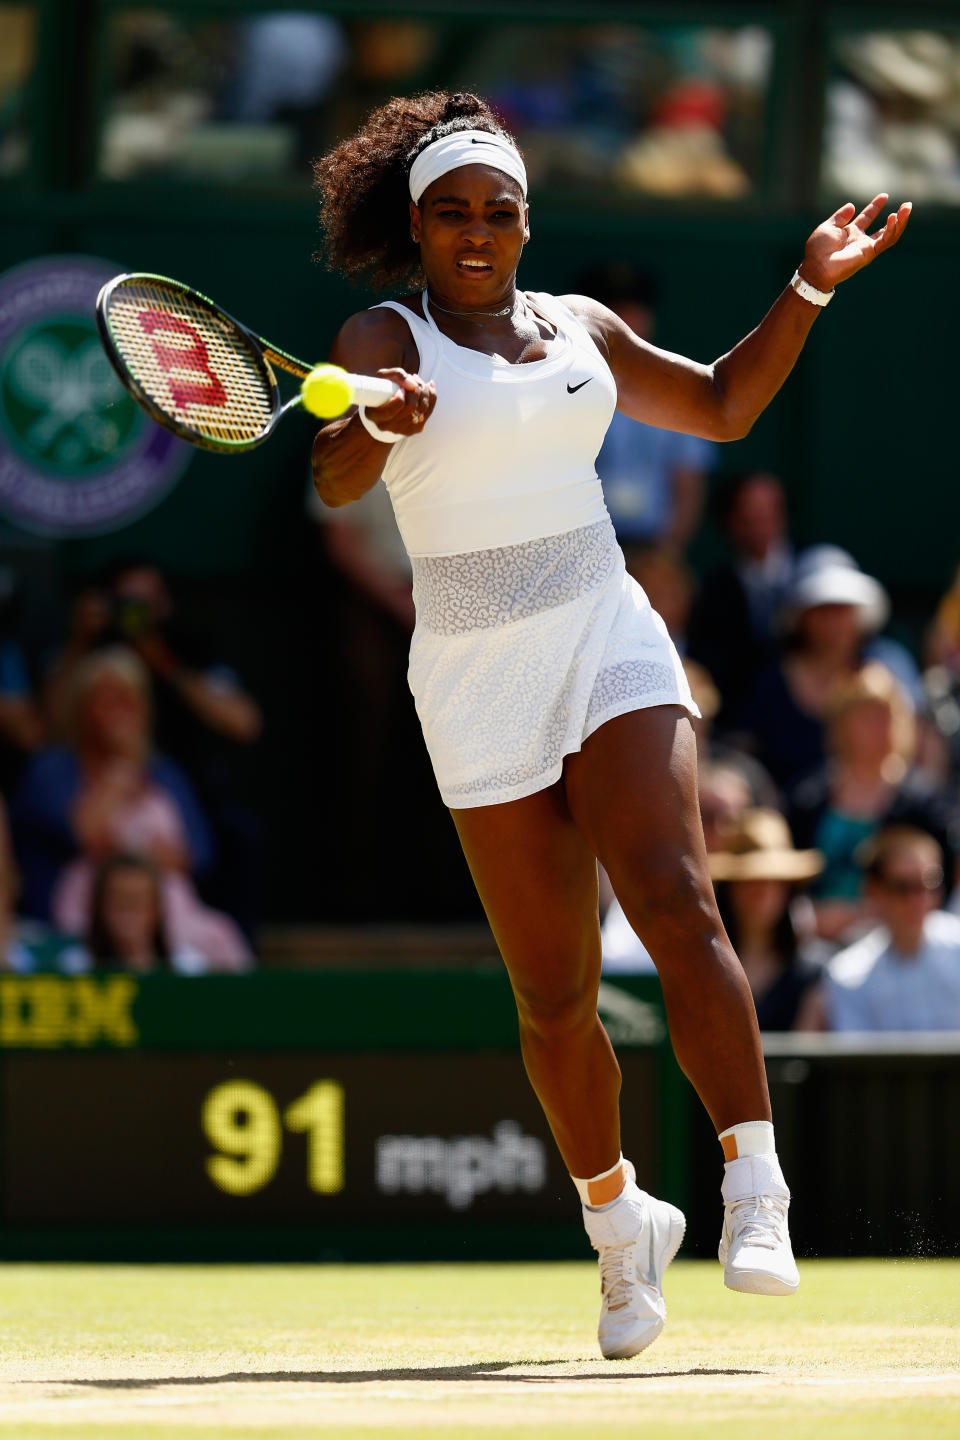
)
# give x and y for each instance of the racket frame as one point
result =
(269, 355)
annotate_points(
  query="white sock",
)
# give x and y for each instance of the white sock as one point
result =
(753, 1175)
(752, 1137)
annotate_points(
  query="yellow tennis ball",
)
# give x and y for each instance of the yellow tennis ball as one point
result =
(326, 391)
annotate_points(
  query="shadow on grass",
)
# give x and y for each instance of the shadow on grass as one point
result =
(482, 1370)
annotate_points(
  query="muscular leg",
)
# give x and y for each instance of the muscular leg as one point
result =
(632, 791)
(537, 879)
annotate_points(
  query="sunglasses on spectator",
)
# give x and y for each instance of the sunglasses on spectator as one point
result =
(911, 884)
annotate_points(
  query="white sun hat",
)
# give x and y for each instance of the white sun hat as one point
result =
(827, 575)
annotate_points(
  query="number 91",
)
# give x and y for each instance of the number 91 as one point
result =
(243, 1121)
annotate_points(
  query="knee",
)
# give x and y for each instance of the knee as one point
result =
(556, 1012)
(670, 902)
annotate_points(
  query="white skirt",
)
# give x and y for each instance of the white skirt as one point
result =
(520, 653)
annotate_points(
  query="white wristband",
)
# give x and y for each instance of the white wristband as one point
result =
(810, 292)
(387, 436)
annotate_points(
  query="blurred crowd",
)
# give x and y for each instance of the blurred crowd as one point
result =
(669, 110)
(127, 836)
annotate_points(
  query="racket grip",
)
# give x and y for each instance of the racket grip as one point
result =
(371, 389)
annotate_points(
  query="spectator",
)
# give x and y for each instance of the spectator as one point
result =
(87, 624)
(126, 929)
(21, 727)
(905, 973)
(377, 735)
(707, 699)
(724, 795)
(364, 544)
(110, 792)
(683, 149)
(943, 635)
(940, 741)
(733, 624)
(668, 583)
(831, 616)
(653, 480)
(18, 943)
(867, 782)
(757, 877)
(204, 718)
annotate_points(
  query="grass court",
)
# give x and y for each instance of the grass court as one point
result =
(867, 1349)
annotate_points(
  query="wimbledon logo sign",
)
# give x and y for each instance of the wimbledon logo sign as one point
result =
(77, 455)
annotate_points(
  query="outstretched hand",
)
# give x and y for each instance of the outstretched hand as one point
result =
(841, 246)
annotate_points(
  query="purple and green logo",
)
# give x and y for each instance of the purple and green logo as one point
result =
(77, 455)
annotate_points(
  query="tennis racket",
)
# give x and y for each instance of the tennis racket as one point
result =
(205, 376)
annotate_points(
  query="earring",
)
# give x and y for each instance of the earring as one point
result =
(414, 238)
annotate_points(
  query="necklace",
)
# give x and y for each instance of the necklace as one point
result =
(469, 314)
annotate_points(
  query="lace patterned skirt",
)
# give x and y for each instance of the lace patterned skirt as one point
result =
(522, 652)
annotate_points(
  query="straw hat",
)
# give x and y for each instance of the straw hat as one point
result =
(827, 575)
(759, 846)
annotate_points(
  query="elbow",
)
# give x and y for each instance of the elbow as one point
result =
(730, 420)
(324, 486)
(738, 427)
(332, 501)
(322, 471)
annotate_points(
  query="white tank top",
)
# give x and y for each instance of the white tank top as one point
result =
(509, 453)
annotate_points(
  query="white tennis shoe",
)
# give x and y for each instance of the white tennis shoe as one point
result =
(636, 1238)
(755, 1245)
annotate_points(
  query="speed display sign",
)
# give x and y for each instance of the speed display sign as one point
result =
(118, 1128)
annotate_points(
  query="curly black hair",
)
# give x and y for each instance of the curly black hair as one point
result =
(363, 184)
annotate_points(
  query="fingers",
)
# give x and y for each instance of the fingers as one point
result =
(894, 227)
(870, 212)
(408, 410)
(844, 215)
(420, 399)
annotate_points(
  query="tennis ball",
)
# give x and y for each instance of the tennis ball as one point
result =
(326, 391)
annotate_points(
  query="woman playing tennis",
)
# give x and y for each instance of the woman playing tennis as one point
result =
(553, 705)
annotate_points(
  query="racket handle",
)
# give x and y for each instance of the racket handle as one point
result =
(327, 391)
(370, 389)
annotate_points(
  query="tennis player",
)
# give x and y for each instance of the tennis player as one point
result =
(553, 704)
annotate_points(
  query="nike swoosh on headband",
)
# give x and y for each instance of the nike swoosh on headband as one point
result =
(572, 389)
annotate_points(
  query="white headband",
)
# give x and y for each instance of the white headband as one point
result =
(465, 147)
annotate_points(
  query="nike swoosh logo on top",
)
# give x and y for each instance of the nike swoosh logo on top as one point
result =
(572, 389)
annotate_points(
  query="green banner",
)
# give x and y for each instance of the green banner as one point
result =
(329, 1010)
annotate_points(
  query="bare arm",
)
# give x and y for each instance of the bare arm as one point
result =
(350, 551)
(229, 710)
(721, 401)
(224, 708)
(347, 461)
(687, 491)
(812, 1010)
(20, 721)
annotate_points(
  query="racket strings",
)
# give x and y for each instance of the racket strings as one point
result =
(192, 363)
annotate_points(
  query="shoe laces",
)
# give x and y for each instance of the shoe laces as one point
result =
(759, 1220)
(616, 1274)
